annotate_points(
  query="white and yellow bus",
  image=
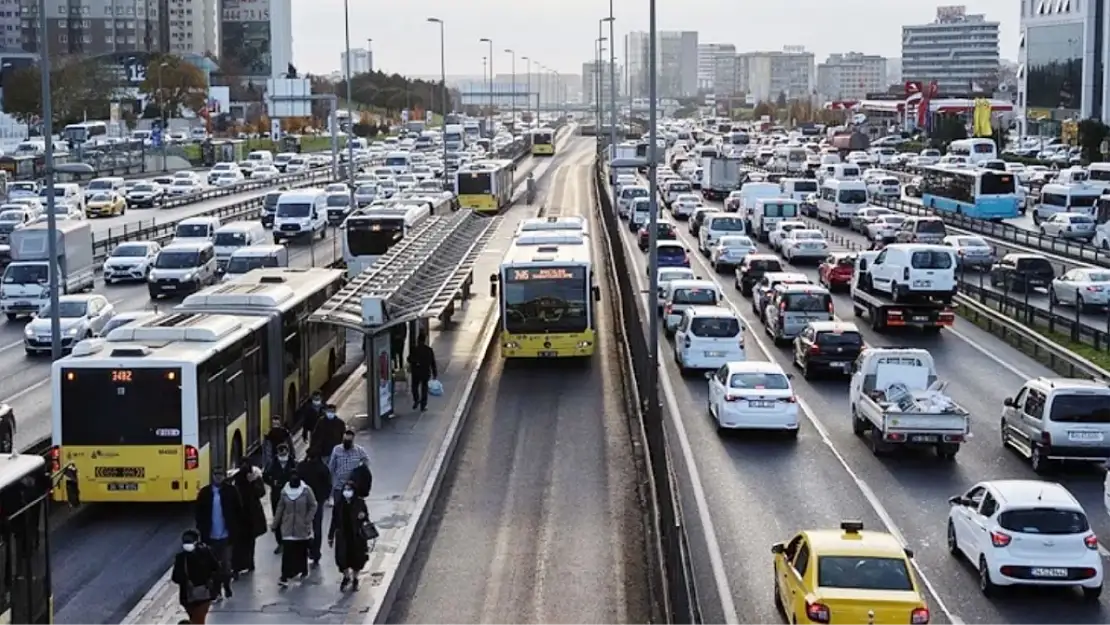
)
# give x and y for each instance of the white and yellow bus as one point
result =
(543, 142)
(485, 186)
(548, 296)
(146, 413)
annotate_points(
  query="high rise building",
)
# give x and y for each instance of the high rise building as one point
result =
(362, 61)
(1064, 60)
(191, 26)
(765, 76)
(958, 51)
(894, 71)
(636, 61)
(851, 76)
(716, 67)
(589, 81)
(676, 59)
(89, 27)
(256, 37)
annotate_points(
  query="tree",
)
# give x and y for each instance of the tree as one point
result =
(78, 90)
(1092, 133)
(764, 108)
(175, 85)
(781, 102)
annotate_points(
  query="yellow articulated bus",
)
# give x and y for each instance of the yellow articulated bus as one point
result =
(485, 186)
(26, 593)
(147, 413)
(543, 142)
(548, 296)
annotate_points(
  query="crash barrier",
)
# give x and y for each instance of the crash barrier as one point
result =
(1009, 315)
(673, 580)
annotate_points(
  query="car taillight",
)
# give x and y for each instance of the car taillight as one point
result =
(830, 307)
(782, 307)
(998, 539)
(1046, 439)
(733, 398)
(814, 349)
(919, 616)
(818, 612)
(192, 458)
(55, 459)
(1094, 289)
(1091, 542)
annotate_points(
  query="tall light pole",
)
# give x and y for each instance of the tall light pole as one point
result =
(489, 129)
(601, 77)
(350, 117)
(443, 87)
(162, 109)
(48, 156)
(612, 81)
(597, 79)
(653, 221)
(528, 88)
(512, 89)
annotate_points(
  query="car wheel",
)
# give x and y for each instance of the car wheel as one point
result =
(1037, 460)
(986, 586)
(953, 545)
(1052, 299)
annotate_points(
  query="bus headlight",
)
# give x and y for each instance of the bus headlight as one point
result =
(584, 344)
(510, 345)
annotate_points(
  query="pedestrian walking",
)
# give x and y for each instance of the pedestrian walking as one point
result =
(219, 521)
(293, 522)
(398, 335)
(348, 534)
(422, 361)
(251, 487)
(277, 436)
(314, 472)
(277, 476)
(328, 432)
(196, 573)
(311, 413)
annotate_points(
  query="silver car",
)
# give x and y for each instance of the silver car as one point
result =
(1085, 288)
(884, 228)
(1069, 226)
(82, 316)
(971, 252)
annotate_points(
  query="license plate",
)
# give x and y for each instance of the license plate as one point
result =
(124, 486)
(920, 318)
(169, 287)
(714, 354)
(923, 438)
(809, 246)
(840, 365)
(922, 283)
(1087, 437)
(760, 403)
(23, 304)
(1043, 572)
(548, 354)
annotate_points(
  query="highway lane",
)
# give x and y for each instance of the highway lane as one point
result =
(539, 520)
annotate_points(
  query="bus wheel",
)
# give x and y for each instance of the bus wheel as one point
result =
(236, 451)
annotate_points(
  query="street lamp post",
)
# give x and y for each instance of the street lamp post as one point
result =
(350, 118)
(653, 220)
(443, 88)
(48, 157)
(601, 76)
(528, 88)
(512, 89)
(597, 79)
(489, 128)
(162, 110)
(612, 80)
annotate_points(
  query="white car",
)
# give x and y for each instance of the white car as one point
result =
(708, 337)
(884, 228)
(1069, 226)
(729, 251)
(684, 205)
(753, 395)
(130, 261)
(884, 187)
(783, 228)
(1025, 533)
(1083, 287)
(228, 178)
(804, 244)
(668, 275)
(264, 172)
(184, 186)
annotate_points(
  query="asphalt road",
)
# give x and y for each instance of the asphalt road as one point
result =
(761, 489)
(539, 520)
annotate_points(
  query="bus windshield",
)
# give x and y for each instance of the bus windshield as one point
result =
(373, 237)
(475, 183)
(121, 407)
(546, 299)
(996, 184)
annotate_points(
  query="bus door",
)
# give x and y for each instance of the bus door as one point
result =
(213, 422)
(255, 369)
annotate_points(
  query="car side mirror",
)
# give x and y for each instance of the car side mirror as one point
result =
(709, 375)
(778, 548)
(1008, 402)
(957, 501)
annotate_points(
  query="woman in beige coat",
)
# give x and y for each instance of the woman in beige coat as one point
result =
(293, 516)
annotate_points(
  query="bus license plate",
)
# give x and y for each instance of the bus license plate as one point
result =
(923, 438)
(124, 486)
(548, 354)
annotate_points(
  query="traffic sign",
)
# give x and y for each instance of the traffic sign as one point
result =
(156, 135)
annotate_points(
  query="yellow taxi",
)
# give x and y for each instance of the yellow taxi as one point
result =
(847, 576)
(105, 204)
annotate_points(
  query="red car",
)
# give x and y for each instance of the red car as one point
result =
(664, 232)
(836, 271)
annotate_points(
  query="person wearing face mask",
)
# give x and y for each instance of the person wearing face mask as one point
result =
(277, 436)
(345, 458)
(293, 522)
(314, 471)
(311, 413)
(219, 521)
(328, 432)
(346, 535)
(251, 488)
(277, 476)
(196, 573)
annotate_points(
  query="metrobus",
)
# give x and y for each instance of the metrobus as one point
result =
(485, 186)
(148, 412)
(976, 193)
(548, 296)
(543, 142)
(86, 132)
(974, 150)
(553, 224)
(368, 233)
(26, 592)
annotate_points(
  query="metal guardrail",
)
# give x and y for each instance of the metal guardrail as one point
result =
(673, 551)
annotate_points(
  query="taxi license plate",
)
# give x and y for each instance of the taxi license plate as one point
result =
(714, 354)
(760, 403)
(1086, 437)
(922, 283)
(1043, 572)
(124, 486)
(548, 354)
(923, 438)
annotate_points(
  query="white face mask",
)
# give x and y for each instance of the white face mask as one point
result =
(347, 494)
(188, 547)
(331, 415)
(283, 457)
(317, 403)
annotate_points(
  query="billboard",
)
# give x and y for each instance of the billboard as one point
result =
(245, 37)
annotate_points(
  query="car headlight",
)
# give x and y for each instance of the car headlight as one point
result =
(72, 331)
(27, 331)
(188, 277)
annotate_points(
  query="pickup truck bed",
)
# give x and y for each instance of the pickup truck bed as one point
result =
(889, 427)
(884, 313)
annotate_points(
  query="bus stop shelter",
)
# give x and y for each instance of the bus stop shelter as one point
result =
(417, 280)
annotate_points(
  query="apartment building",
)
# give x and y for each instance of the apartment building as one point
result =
(191, 26)
(362, 61)
(257, 38)
(90, 27)
(717, 68)
(851, 76)
(957, 50)
(676, 61)
(765, 75)
(590, 79)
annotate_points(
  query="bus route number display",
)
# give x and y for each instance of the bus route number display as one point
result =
(544, 273)
(125, 376)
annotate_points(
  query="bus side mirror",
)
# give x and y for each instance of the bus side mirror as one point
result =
(493, 285)
(597, 293)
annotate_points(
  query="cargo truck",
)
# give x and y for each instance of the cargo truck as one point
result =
(721, 175)
(25, 287)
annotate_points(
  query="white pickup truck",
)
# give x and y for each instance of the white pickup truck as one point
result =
(897, 401)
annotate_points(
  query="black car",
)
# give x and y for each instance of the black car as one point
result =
(664, 231)
(1021, 272)
(751, 270)
(827, 346)
(269, 208)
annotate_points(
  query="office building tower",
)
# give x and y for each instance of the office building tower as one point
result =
(957, 50)
(589, 81)
(765, 76)
(256, 38)
(851, 76)
(1063, 55)
(716, 67)
(91, 27)
(676, 61)
(362, 61)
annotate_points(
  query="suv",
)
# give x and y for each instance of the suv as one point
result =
(1022, 272)
(827, 346)
(792, 307)
(182, 268)
(708, 337)
(921, 230)
(751, 271)
(1058, 419)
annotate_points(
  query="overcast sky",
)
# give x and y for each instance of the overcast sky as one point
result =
(560, 34)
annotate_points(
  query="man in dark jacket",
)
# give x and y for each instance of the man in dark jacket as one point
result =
(220, 522)
(311, 413)
(252, 488)
(314, 471)
(423, 364)
(277, 476)
(329, 432)
(277, 436)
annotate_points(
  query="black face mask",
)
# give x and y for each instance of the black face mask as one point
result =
(347, 444)
(295, 482)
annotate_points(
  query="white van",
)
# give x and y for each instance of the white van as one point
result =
(182, 268)
(751, 192)
(717, 225)
(682, 294)
(640, 214)
(245, 259)
(768, 212)
(708, 337)
(627, 194)
(68, 193)
(1066, 198)
(301, 213)
(110, 184)
(195, 229)
(839, 200)
(905, 270)
(399, 162)
(259, 158)
(235, 235)
(847, 171)
(974, 150)
(798, 188)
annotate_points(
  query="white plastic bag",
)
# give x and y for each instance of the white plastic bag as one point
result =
(435, 388)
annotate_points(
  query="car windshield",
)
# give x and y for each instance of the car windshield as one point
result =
(99, 184)
(715, 327)
(1049, 521)
(931, 226)
(191, 231)
(736, 242)
(840, 339)
(1094, 276)
(335, 188)
(293, 209)
(129, 251)
(930, 259)
(243, 264)
(1075, 408)
(764, 265)
(1035, 265)
(177, 259)
(671, 251)
(1081, 219)
(727, 224)
(11, 216)
(546, 300)
(852, 196)
(694, 296)
(230, 238)
(339, 200)
(807, 302)
(182, 182)
(864, 573)
(759, 381)
(890, 220)
(25, 274)
(634, 192)
(668, 276)
(67, 310)
(100, 197)
(367, 189)
(143, 188)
